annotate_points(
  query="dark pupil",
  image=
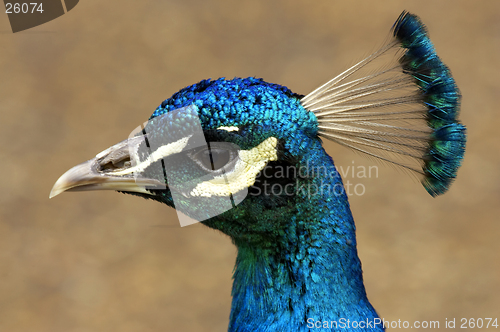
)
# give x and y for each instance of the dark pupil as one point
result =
(215, 158)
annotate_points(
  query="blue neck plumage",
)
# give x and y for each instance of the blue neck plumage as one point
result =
(315, 274)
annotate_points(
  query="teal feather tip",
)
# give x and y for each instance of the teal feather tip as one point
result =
(405, 113)
(442, 98)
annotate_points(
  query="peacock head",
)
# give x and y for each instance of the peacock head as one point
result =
(223, 152)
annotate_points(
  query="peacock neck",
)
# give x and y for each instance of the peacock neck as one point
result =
(313, 273)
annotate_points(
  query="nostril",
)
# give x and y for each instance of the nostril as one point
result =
(120, 163)
(114, 163)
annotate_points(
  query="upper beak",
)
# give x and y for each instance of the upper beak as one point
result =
(109, 170)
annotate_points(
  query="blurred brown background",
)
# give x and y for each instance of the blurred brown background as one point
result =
(102, 261)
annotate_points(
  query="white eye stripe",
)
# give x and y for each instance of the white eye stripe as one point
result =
(228, 128)
(160, 153)
(249, 164)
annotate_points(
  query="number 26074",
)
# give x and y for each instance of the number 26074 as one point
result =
(25, 7)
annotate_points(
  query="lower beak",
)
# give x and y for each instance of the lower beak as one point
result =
(107, 171)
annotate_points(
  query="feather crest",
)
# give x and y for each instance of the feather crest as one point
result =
(405, 113)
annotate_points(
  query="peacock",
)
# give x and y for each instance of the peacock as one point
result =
(245, 157)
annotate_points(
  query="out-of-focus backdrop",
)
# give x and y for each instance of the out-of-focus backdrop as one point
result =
(103, 261)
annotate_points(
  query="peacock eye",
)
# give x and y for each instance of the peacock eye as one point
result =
(215, 157)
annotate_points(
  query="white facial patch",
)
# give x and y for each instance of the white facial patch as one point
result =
(249, 164)
(161, 152)
(228, 128)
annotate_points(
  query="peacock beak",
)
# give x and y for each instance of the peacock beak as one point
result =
(111, 169)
